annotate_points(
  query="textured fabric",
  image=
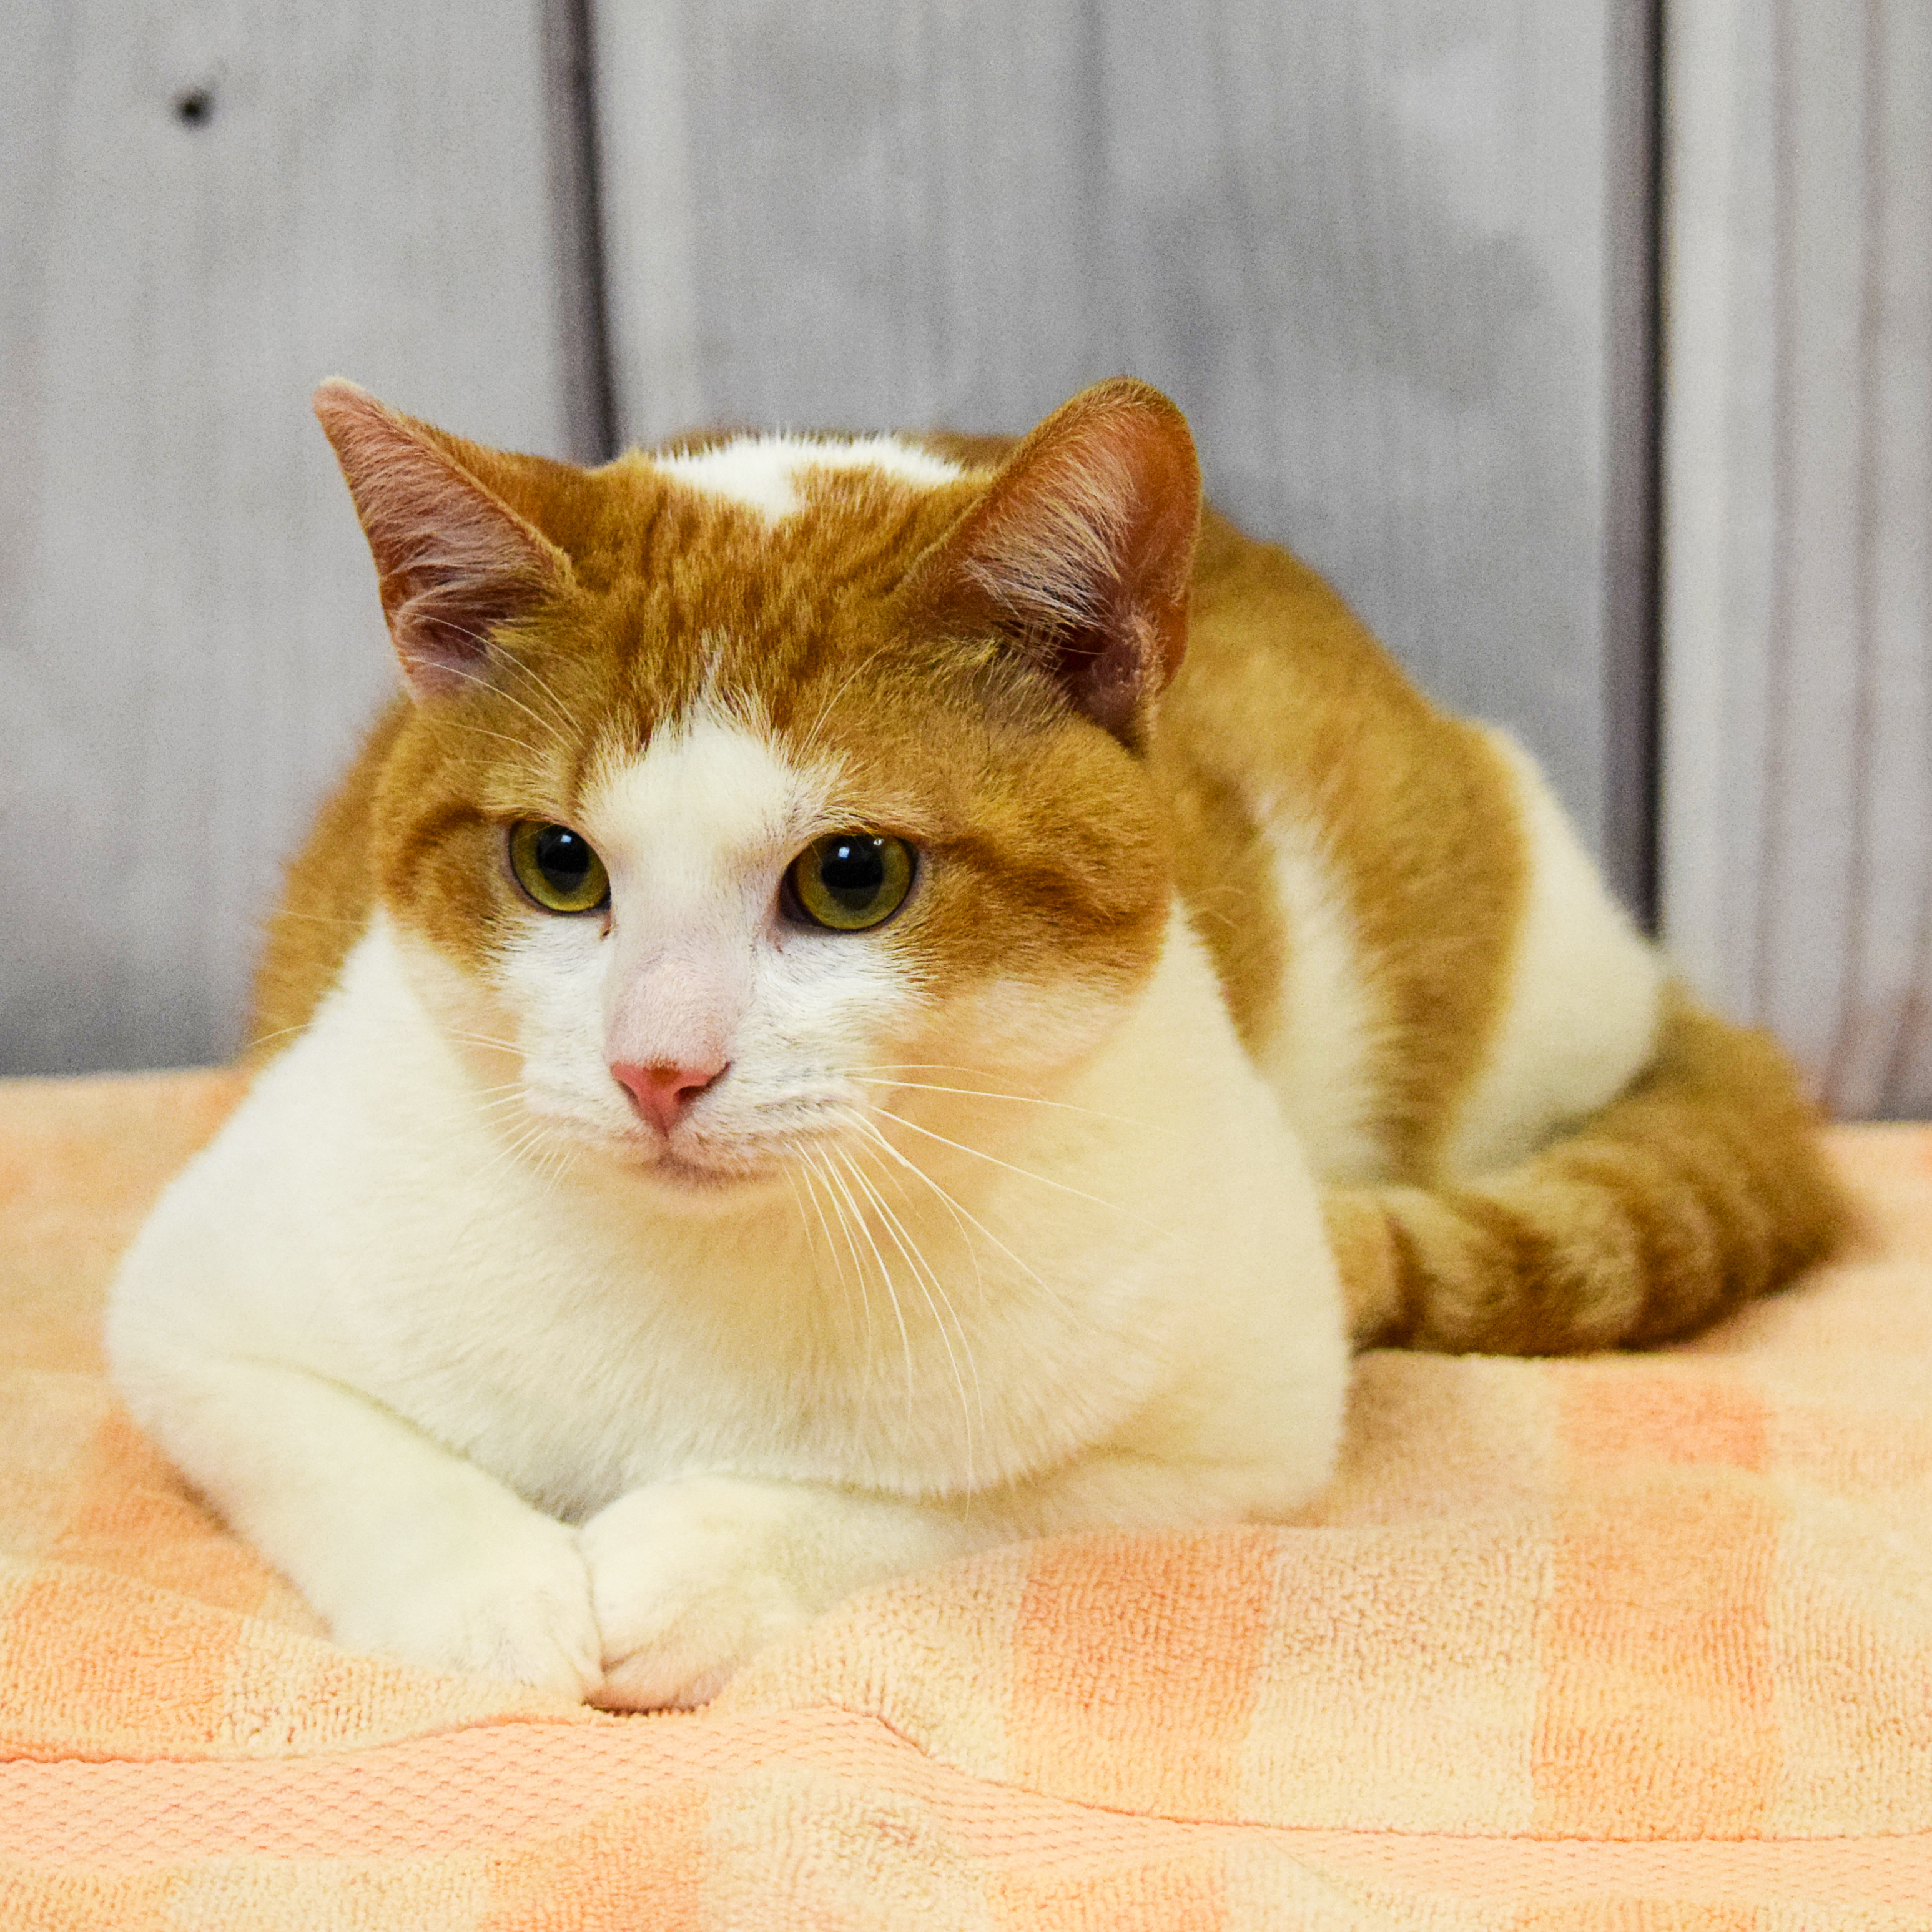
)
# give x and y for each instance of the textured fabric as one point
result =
(1628, 1642)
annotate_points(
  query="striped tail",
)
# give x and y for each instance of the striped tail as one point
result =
(1704, 1185)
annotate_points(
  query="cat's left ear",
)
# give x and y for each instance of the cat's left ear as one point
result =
(453, 560)
(1082, 551)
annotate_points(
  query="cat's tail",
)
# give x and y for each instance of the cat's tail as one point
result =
(1704, 1185)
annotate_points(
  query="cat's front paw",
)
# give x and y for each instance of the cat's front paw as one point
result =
(515, 1608)
(688, 1578)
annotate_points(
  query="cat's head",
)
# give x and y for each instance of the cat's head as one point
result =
(747, 785)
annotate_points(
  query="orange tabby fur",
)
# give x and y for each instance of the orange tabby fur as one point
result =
(1702, 1186)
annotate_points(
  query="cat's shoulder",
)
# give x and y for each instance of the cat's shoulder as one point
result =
(327, 898)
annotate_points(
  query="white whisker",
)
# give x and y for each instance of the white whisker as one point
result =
(281, 1033)
(1024, 1174)
(512, 1151)
(897, 1174)
(485, 1039)
(479, 731)
(563, 710)
(809, 743)
(907, 1161)
(885, 1273)
(791, 1175)
(923, 1273)
(490, 684)
(1024, 1099)
(812, 1176)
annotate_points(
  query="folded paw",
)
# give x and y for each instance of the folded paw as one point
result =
(688, 1578)
(514, 1607)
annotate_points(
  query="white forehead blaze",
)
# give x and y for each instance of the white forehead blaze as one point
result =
(763, 472)
(706, 800)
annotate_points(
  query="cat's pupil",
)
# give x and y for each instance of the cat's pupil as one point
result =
(564, 858)
(853, 870)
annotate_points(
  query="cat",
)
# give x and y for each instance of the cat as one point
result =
(877, 996)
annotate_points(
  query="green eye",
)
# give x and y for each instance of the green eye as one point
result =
(849, 880)
(556, 867)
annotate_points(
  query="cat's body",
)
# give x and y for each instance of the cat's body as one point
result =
(589, 1294)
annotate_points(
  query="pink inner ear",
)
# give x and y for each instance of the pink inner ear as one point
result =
(1083, 548)
(453, 562)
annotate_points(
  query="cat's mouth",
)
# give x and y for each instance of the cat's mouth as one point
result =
(699, 1161)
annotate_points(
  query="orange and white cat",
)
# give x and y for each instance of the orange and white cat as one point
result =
(850, 1015)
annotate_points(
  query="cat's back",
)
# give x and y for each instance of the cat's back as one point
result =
(1414, 945)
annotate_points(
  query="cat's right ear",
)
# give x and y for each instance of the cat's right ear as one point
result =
(453, 560)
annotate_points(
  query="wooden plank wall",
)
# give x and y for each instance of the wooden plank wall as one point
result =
(1389, 259)
(206, 208)
(1797, 827)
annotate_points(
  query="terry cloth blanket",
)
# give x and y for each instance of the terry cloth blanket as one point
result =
(1628, 1642)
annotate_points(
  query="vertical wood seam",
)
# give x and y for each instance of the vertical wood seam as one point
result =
(1777, 641)
(1870, 287)
(1632, 657)
(570, 53)
(1915, 1009)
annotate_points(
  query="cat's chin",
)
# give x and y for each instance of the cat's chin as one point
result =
(696, 1181)
(670, 1170)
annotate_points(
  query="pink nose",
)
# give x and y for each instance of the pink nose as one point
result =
(661, 1093)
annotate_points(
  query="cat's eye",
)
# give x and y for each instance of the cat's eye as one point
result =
(849, 880)
(556, 867)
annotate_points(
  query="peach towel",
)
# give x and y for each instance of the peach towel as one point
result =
(1626, 1641)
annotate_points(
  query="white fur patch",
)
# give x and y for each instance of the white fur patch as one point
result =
(1579, 1018)
(705, 794)
(1320, 1060)
(764, 472)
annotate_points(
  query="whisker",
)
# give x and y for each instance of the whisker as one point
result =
(281, 1033)
(1024, 1099)
(898, 1177)
(562, 738)
(841, 1208)
(920, 1066)
(809, 742)
(902, 1239)
(1025, 1174)
(553, 1166)
(480, 730)
(812, 1175)
(804, 1226)
(906, 1161)
(485, 1039)
(543, 684)
(501, 1104)
(885, 1273)
(513, 1150)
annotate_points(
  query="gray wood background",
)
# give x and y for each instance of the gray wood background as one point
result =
(1390, 255)
(1797, 769)
(205, 209)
